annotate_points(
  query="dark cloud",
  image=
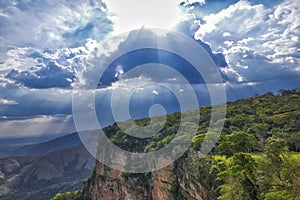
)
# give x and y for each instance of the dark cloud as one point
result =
(51, 75)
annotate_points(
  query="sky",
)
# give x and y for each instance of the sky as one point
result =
(50, 47)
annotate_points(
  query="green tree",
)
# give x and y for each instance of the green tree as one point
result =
(293, 141)
(237, 141)
(205, 140)
(197, 141)
(239, 178)
(279, 175)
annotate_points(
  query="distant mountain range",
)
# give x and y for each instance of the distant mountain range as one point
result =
(39, 171)
(9, 146)
(39, 149)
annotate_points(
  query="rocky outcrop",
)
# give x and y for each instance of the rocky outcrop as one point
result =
(106, 183)
(163, 183)
(172, 182)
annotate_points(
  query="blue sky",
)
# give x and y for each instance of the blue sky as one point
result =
(45, 45)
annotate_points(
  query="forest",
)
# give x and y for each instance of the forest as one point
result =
(256, 157)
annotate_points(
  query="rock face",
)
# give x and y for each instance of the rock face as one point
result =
(163, 181)
(172, 182)
(106, 183)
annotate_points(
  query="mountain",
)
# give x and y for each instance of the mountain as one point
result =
(256, 157)
(41, 177)
(8, 146)
(56, 144)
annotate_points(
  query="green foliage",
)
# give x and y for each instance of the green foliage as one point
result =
(258, 116)
(279, 173)
(239, 178)
(272, 175)
(75, 195)
(293, 141)
(206, 140)
(258, 128)
(280, 195)
(266, 114)
(197, 141)
(275, 149)
(237, 141)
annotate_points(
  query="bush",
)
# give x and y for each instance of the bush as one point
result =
(75, 195)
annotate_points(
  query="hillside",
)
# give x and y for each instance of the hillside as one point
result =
(269, 124)
(41, 177)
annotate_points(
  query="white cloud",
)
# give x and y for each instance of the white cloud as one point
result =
(30, 126)
(236, 21)
(155, 92)
(119, 71)
(259, 43)
(18, 58)
(7, 102)
(6, 83)
(96, 60)
(38, 68)
(194, 1)
(51, 24)
(133, 14)
(129, 84)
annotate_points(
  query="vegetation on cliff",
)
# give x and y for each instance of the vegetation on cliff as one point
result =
(75, 195)
(248, 119)
(255, 157)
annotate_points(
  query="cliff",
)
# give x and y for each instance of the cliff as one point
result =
(176, 181)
